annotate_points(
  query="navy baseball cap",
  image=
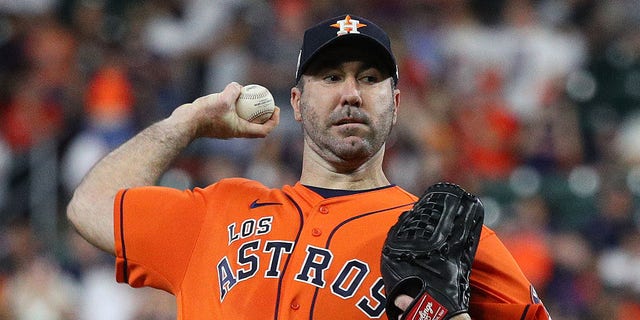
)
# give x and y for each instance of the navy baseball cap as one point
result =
(345, 28)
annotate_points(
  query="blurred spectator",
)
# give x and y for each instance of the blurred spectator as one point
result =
(527, 238)
(33, 108)
(551, 141)
(267, 165)
(101, 298)
(614, 219)
(628, 309)
(36, 287)
(177, 28)
(109, 122)
(27, 8)
(619, 267)
(155, 305)
(32, 115)
(486, 130)
(538, 54)
(575, 287)
(216, 167)
(625, 144)
(30, 120)
(40, 290)
(607, 86)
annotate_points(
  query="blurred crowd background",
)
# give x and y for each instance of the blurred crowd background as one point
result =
(531, 104)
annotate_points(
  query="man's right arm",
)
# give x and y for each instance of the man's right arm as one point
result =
(144, 158)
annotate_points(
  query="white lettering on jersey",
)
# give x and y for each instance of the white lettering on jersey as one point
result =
(249, 262)
(276, 248)
(249, 228)
(350, 278)
(373, 305)
(317, 260)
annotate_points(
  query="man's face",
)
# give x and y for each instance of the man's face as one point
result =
(347, 105)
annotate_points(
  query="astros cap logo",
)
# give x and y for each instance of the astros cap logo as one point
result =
(349, 28)
(348, 25)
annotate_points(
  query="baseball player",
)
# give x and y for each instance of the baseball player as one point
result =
(239, 250)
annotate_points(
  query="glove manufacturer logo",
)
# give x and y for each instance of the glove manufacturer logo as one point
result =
(427, 308)
(348, 25)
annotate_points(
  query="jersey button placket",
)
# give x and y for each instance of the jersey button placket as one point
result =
(295, 305)
(316, 231)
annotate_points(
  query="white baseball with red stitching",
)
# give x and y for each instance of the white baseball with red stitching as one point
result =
(255, 103)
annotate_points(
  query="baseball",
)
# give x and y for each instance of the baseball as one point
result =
(255, 104)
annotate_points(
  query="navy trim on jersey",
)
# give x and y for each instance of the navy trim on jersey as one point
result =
(524, 313)
(330, 193)
(286, 263)
(125, 267)
(315, 294)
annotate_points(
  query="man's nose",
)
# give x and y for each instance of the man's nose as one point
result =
(351, 92)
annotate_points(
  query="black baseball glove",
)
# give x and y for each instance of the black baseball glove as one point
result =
(428, 254)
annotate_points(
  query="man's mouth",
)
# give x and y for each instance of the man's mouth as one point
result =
(350, 120)
(347, 121)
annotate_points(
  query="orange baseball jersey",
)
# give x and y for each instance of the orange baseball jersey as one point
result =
(239, 250)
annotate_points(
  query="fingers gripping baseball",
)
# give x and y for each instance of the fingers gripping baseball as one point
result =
(214, 116)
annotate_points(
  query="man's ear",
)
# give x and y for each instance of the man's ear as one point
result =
(396, 103)
(296, 94)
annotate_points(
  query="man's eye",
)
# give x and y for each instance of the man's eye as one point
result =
(369, 79)
(332, 78)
